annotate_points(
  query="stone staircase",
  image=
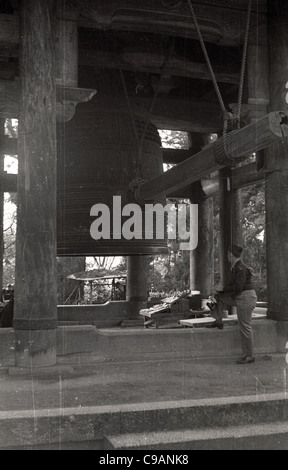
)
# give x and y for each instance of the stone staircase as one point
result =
(250, 422)
(244, 423)
(273, 436)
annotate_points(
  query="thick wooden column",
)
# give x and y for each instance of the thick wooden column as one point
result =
(68, 290)
(276, 193)
(35, 315)
(136, 291)
(2, 135)
(237, 217)
(202, 258)
(225, 222)
(66, 45)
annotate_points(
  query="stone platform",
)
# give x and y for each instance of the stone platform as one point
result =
(182, 404)
(135, 388)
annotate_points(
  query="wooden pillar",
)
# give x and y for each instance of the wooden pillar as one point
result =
(68, 290)
(225, 222)
(258, 79)
(202, 258)
(276, 194)
(136, 291)
(66, 45)
(237, 217)
(258, 71)
(2, 135)
(35, 315)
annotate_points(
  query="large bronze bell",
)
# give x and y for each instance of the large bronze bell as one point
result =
(98, 157)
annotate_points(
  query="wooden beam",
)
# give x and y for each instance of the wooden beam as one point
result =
(8, 182)
(182, 114)
(9, 146)
(241, 177)
(167, 113)
(152, 63)
(256, 136)
(220, 23)
(175, 156)
(66, 99)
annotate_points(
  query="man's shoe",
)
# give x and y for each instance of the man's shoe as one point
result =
(218, 325)
(246, 360)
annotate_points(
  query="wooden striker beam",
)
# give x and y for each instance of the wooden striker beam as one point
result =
(252, 138)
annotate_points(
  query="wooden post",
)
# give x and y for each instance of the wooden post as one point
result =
(237, 217)
(258, 78)
(91, 292)
(202, 257)
(136, 291)
(66, 45)
(35, 316)
(225, 222)
(2, 135)
(66, 288)
(276, 194)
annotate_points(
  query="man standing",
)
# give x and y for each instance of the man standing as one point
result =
(241, 294)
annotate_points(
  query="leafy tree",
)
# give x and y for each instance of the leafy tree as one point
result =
(9, 238)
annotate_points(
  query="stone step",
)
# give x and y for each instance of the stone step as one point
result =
(272, 436)
(127, 423)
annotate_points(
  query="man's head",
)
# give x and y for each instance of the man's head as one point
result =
(235, 253)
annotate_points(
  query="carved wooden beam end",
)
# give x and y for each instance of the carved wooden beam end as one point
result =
(67, 99)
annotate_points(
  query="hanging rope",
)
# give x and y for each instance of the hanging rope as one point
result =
(221, 152)
(140, 141)
(168, 54)
(204, 50)
(129, 108)
(243, 65)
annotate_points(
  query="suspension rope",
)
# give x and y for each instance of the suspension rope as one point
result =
(243, 65)
(221, 152)
(140, 142)
(129, 106)
(204, 50)
(169, 52)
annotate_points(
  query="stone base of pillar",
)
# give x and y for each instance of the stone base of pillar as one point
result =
(282, 337)
(35, 348)
(134, 307)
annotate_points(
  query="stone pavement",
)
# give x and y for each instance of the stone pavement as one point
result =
(86, 382)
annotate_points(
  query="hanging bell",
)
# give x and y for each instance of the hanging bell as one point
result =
(98, 156)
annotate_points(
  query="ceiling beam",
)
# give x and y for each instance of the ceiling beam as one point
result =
(182, 114)
(219, 22)
(167, 113)
(152, 63)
